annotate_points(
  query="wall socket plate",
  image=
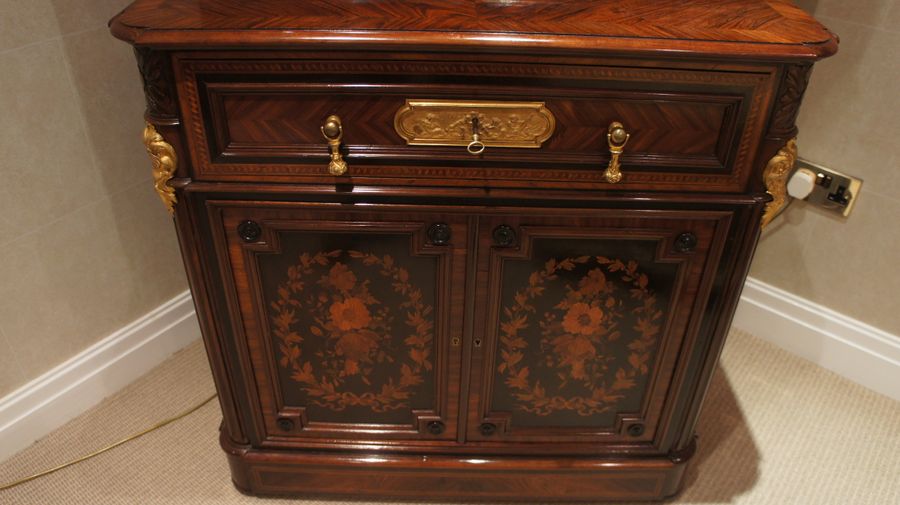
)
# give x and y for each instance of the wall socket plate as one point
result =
(832, 190)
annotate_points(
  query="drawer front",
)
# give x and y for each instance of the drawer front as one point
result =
(261, 121)
(584, 322)
(345, 320)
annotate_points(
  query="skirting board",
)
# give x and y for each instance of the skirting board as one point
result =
(855, 350)
(54, 398)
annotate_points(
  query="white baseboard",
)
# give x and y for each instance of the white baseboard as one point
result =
(850, 348)
(44, 404)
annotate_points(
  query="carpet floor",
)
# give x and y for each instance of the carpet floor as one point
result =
(775, 429)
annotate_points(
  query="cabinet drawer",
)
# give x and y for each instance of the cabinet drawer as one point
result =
(261, 121)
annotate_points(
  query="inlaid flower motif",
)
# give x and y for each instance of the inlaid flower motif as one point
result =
(355, 347)
(593, 283)
(608, 312)
(341, 277)
(582, 319)
(574, 352)
(350, 314)
(339, 311)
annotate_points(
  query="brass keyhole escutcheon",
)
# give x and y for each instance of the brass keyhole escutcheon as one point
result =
(475, 147)
(333, 131)
(616, 137)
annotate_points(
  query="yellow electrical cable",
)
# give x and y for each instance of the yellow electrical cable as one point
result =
(107, 448)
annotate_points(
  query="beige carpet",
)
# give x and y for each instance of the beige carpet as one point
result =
(775, 430)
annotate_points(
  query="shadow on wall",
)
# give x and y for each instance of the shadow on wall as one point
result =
(133, 233)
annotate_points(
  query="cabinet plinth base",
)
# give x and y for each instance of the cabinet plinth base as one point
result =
(451, 477)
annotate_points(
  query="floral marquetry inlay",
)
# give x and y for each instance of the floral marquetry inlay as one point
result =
(600, 336)
(355, 333)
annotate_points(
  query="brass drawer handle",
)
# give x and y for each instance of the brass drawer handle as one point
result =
(617, 138)
(333, 132)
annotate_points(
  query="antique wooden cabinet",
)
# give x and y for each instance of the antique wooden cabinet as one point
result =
(468, 250)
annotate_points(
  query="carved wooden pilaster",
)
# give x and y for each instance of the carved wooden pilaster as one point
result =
(780, 144)
(162, 120)
(156, 73)
(787, 105)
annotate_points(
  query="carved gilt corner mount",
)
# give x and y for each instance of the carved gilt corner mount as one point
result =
(775, 176)
(162, 154)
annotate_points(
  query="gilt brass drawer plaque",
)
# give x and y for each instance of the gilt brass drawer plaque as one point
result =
(460, 123)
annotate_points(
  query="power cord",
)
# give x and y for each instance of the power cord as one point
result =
(109, 447)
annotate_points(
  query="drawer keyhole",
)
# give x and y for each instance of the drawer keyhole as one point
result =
(475, 147)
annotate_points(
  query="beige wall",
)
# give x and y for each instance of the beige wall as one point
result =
(85, 245)
(850, 122)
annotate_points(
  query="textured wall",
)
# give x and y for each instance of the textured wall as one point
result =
(85, 245)
(850, 122)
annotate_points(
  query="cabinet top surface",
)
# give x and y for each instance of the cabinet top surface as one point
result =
(751, 28)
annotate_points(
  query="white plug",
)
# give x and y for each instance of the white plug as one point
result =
(801, 183)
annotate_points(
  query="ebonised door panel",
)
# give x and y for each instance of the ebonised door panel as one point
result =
(583, 321)
(349, 319)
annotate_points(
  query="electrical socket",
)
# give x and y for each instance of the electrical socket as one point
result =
(831, 190)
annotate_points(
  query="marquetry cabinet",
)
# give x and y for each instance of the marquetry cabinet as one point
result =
(468, 250)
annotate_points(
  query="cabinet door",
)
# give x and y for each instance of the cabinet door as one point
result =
(346, 320)
(584, 320)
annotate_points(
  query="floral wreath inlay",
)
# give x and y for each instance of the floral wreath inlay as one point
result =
(575, 334)
(356, 327)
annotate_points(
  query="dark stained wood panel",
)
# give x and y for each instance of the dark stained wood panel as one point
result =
(603, 24)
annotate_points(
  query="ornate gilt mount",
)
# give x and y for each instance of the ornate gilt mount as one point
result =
(162, 154)
(497, 124)
(775, 176)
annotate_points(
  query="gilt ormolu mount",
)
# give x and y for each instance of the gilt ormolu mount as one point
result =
(468, 250)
